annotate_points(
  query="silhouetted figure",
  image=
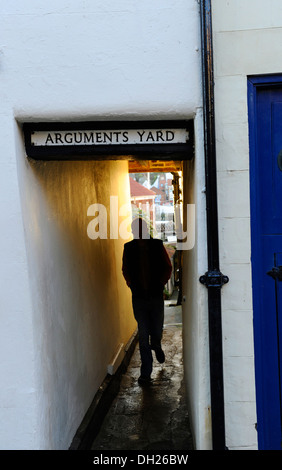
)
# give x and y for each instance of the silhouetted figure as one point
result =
(146, 269)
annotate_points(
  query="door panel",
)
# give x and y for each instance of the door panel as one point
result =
(276, 169)
(266, 213)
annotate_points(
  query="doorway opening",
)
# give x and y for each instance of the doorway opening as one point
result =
(83, 302)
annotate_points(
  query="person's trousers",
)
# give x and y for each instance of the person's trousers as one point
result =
(149, 314)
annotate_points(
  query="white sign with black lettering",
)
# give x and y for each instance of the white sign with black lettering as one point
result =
(109, 137)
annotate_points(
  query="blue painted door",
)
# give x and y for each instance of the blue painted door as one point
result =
(266, 216)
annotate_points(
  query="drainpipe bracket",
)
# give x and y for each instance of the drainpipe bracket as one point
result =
(214, 279)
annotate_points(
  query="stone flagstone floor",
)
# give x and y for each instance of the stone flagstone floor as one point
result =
(154, 417)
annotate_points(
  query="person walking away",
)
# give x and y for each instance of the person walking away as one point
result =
(146, 268)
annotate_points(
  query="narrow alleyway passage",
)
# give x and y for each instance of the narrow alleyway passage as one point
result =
(154, 417)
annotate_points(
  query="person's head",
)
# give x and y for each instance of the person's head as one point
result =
(140, 229)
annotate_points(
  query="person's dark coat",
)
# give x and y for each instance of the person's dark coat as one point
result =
(146, 266)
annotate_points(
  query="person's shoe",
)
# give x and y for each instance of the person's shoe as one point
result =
(160, 355)
(144, 380)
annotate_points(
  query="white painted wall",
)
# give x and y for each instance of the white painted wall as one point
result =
(70, 60)
(195, 305)
(247, 38)
(18, 394)
(81, 304)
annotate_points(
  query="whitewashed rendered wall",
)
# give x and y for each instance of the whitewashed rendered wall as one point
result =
(195, 304)
(81, 304)
(70, 60)
(247, 39)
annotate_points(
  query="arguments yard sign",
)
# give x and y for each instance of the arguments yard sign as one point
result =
(66, 141)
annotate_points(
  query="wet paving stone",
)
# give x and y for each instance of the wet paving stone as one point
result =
(153, 417)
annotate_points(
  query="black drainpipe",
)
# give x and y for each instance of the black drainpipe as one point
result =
(213, 278)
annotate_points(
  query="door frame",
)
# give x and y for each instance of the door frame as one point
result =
(254, 84)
